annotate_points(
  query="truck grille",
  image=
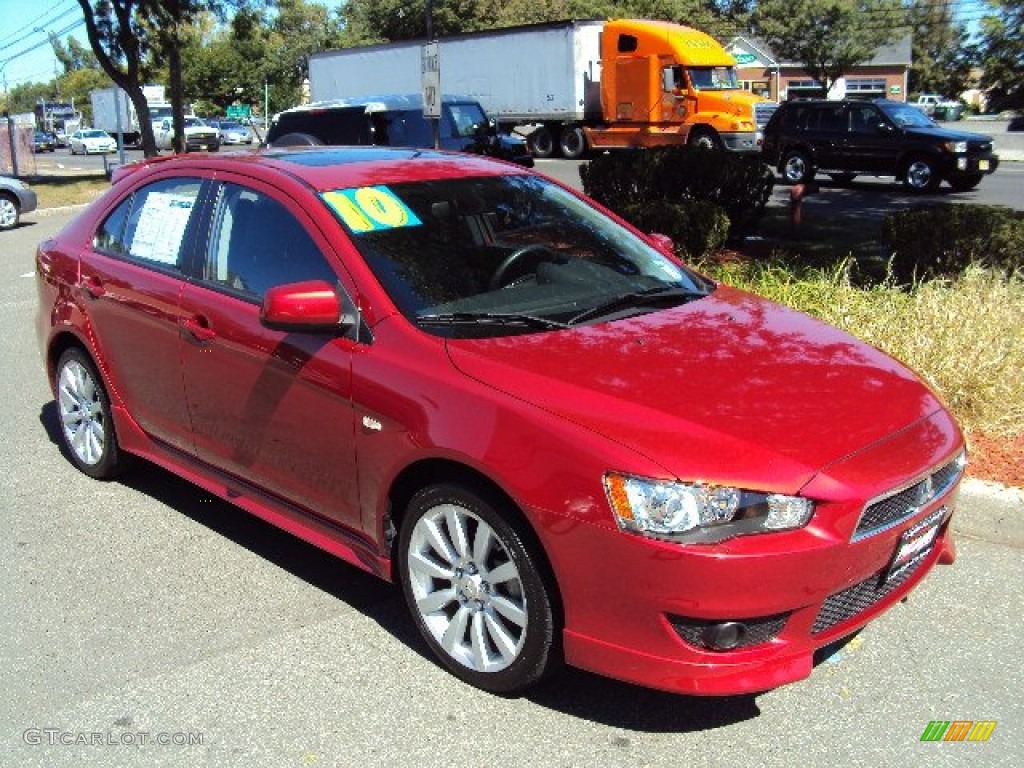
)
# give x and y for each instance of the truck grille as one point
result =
(858, 598)
(899, 506)
(763, 111)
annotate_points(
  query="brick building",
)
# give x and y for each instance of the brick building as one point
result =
(762, 71)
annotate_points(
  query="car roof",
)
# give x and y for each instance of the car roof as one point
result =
(326, 168)
(379, 102)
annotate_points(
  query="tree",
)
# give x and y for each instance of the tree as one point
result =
(828, 37)
(1002, 55)
(74, 55)
(942, 57)
(121, 41)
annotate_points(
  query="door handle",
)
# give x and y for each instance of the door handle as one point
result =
(200, 328)
(93, 287)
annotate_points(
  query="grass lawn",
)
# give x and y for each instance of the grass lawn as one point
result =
(56, 191)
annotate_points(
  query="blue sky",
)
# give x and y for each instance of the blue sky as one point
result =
(25, 52)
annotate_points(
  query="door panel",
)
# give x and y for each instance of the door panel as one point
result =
(269, 407)
(132, 285)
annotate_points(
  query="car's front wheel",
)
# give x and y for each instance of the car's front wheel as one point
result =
(86, 426)
(9, 211)
(476, 590)
(921, 175)
(797, 167)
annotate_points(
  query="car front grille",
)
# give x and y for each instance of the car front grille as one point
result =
(858, 598)
(979, 146)
(893, 509)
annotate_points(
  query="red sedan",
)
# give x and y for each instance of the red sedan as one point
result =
(457, 374)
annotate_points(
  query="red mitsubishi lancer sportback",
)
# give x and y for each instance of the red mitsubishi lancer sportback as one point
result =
(459, 375)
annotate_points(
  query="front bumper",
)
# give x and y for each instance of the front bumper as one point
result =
(742, 141)
(971, 165)
(636, 609)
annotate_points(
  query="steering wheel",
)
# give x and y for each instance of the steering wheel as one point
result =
(498, 278)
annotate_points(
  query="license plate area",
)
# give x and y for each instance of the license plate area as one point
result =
(915, 543)
(983, 165)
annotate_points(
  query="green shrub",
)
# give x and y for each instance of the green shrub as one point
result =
(739, 184)
(943, 240)
(697, 227)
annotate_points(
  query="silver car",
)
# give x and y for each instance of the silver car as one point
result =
(16, 198)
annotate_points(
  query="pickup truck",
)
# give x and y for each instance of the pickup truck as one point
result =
(198, 135)
(939, 107)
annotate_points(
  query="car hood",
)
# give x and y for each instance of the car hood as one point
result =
(730, 388)
(948, 134)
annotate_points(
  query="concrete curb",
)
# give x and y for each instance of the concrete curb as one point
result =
(44, 212)
(991, 512)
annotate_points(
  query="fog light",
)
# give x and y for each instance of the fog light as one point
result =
(961, 163)
(724, 636)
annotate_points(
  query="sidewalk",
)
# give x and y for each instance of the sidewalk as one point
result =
(991, 512)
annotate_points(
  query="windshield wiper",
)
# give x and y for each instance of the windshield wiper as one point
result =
(637, 299)
(488, 318)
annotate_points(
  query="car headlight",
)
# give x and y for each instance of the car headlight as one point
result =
(957, 147)
(699, 513)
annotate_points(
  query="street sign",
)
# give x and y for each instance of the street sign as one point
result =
(431, 82)
(744, 58)
(238, 111)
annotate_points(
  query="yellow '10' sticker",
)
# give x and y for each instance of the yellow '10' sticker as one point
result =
(370, 209)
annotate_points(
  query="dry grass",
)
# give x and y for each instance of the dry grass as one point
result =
(966, 338)
(56, 191)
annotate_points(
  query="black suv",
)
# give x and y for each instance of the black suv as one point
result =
(396, 121)
(874, 138)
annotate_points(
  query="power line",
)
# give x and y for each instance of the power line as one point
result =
(54, 20)
(34, 21)
(73, 25)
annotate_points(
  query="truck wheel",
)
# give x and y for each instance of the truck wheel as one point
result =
(542, 143)
(921, 175)
(573, 142)
(797, 167)
(703, 138)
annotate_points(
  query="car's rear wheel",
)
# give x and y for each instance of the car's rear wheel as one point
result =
(86, 426)
(797, 167)
(10, 213)
(965, 183)
(921, 175)
(542, 142)
(476, 590)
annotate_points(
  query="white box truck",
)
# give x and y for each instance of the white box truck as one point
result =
(104, 111)
(583, 84)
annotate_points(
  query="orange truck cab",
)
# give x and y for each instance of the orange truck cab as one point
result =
(663, 84)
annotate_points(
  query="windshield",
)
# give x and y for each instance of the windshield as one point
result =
(905, 115)
(713, 78)
(157, 113)
(96, 135)
(505, 254)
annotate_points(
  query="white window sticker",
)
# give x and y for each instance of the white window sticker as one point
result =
(161, 227)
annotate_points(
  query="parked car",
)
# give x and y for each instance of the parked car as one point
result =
(463, 376)
(876, 138)
(92, 140)
(198, 135)
(231, 132)
(397, 121)
(16, 198)
(939, 107)
(43, 141)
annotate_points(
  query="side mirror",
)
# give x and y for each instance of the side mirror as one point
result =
(311, 306)
(665, 245)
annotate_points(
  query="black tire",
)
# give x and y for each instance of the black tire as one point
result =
(965, 183)
(502, 636)
(542, 142)
(843, 178)
(797, 167)
(703, 138)
(920, 175)
(10, 211)
(86, 424)
(572, 142)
